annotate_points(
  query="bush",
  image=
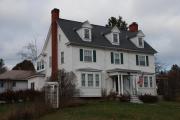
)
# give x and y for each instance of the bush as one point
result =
(148, 98)
(124, 98)
(28, 112)
(112, 95)
(21, 95)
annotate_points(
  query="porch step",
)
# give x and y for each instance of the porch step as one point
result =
(135, 99)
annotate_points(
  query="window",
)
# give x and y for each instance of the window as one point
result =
(116, 58)
(1, 84)
(97, 80)
(83, 80)
(87, 33)
(140, 40)
(142, 60)
(115, 38)
(40, 65)
(150, 82)
(59, 37)
(88, 55)
(62, 57)
(90, 80)
(14, 84)
(145, 81)
(50, 61)
(32, 86)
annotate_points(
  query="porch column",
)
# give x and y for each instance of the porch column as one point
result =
(119, 92)
(122, 85)
(136, 82)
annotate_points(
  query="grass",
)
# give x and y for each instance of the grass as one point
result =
(111, 110)
(118, 111)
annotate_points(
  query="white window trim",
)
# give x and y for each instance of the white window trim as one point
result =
(142, 42)
(119, 57)
(115, 43)
(148, 78)
(94, 79)
(84, 55)
(40, 65)
(139, 60)
(90, 37)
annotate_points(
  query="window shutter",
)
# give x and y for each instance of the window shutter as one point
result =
(94, 55)
(81, 54)
(137, 61)
(147, 60)
(112, 58)
(122, 59)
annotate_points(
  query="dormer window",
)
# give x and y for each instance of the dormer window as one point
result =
(115, 38)
(140, 41)
(86, 33)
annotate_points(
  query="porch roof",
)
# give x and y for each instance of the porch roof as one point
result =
(123, 70)
(88, 69)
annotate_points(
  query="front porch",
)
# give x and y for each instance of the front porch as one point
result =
(125, 82)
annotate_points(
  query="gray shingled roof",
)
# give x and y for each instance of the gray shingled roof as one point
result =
(98, 39)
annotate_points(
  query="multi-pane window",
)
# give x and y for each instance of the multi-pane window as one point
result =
(140, 40)
(145, 81)
(88, 55)
(142, 60)
(117, 58)
(150, 82)
(62, 57)
(115, 38)
(87, 33)
(97, 80)
(90, 80)
(83, 80)
(40, 65)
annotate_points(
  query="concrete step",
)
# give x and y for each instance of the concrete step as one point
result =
(135, 99)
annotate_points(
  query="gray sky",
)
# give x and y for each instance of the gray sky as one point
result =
(22, 21)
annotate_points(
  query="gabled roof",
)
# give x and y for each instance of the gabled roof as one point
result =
(19, 75)
(99, 40)
(16, 75)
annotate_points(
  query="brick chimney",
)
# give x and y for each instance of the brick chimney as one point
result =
(54, 33)
(133, 27)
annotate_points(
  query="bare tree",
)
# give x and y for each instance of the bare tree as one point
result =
(67, 87)
(29, 52)
(159, 66)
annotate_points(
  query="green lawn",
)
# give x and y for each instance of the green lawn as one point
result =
(118, 111)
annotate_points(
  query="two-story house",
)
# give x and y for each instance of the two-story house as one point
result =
(101, 57)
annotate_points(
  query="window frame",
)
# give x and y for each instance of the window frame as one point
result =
(85, 50)
(141, 61)
(40, 65)
(62, 57)
(87, 32)
(140, 39)
(94, 85)
(146, 81)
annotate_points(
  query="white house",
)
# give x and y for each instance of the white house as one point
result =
(101, 57)
(16, 80)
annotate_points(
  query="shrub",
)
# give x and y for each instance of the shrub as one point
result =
(28, 112)
(148, 98)
(112, 95)
(124, 98)
(21, 95)
(104, 93)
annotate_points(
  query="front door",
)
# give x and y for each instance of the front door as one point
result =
(127, 84)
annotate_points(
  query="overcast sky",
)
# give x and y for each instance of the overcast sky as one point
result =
(22, 21)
